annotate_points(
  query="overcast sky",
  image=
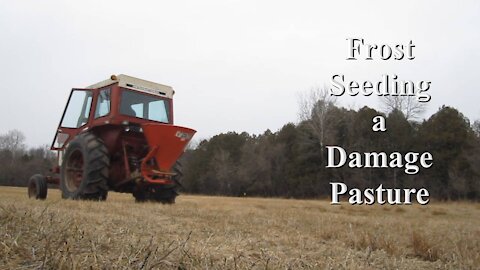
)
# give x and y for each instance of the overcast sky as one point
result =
(235, 65)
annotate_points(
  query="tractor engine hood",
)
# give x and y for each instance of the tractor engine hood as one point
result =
(168, 141)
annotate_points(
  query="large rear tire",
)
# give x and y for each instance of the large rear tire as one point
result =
(165, 194)
(84, 172)
(37, 187)
(155, 193)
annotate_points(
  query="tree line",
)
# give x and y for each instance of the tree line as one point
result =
(291, 162)
(19, 162)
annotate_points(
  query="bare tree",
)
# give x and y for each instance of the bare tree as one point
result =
(314, 108)
(224, 170)
(13, 141)
(408, 105)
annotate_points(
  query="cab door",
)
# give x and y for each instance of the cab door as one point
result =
(75, 117)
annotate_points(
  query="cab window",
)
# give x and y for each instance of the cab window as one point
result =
(103, 103)
(78, 109)
(144, 106)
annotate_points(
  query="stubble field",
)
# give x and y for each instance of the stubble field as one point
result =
(201, 232)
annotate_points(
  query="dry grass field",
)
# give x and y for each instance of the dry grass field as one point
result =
(200, 232)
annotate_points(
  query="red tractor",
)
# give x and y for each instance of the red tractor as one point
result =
(117, 135)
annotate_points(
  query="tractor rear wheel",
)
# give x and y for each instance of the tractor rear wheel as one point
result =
(37, 187)
(165, 194)
(84, 172)
(156, 193)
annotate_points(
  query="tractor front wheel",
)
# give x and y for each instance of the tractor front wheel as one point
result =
(84, 171)
(37, 187)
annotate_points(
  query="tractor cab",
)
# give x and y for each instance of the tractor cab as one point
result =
(119, 135)
(120, 100)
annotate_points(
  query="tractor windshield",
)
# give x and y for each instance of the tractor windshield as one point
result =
(144, 106)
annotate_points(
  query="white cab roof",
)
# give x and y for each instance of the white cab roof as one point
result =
(136, 84)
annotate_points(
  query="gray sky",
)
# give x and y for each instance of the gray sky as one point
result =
(235, 65)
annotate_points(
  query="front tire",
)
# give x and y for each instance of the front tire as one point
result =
(84, 172)
(37, 187)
